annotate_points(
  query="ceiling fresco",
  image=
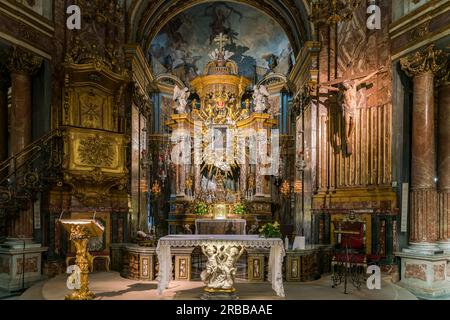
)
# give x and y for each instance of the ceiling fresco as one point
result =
(259, 44)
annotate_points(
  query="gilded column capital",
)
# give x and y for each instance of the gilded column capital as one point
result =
(428, 60)
(23, 61)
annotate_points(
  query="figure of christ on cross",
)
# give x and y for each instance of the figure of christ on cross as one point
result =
(347, 96)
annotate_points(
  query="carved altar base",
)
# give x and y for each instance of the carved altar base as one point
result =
(220, 270)
(222, 251)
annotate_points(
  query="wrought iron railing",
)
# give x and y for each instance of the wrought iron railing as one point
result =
(31, 170)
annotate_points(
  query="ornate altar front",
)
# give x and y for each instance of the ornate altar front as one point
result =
(222, 252)
(223, 148)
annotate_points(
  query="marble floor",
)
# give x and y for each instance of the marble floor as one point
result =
(110, 286)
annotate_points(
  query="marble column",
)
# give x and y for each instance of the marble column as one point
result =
(444, 164)
(422, 66)
(22, 66)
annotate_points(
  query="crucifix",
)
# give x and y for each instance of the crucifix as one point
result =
(221, 40)
(347, 97)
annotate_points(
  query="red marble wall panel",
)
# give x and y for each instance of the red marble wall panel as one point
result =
(416, 271)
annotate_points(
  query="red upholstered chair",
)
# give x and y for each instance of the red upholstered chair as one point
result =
(352, 236)
(350, 243)
(349, 258)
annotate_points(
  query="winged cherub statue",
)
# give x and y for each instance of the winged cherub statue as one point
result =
(180, 96)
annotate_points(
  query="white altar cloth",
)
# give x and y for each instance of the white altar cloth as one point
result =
(276, 246)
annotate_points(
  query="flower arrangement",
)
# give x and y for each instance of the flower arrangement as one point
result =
(270, 230)
(240, 208)
(201, 208)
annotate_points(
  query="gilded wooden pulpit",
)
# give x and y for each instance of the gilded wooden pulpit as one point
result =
(81, 230)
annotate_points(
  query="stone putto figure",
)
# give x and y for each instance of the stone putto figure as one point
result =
(229, 268)
(221, 266)
(209, 274)
(180, 96)
(260, 95)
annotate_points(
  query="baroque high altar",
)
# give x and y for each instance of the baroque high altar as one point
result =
(130, 130)
(224, 149)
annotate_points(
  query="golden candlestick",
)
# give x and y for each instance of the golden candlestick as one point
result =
(80, 232)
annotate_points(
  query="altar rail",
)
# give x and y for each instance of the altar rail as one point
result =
(141, 263)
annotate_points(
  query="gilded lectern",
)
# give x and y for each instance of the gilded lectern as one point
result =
(81, 230)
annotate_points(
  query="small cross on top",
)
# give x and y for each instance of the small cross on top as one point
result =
(221, 40)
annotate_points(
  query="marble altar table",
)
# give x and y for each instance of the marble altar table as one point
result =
(220, 226)
(222, 251)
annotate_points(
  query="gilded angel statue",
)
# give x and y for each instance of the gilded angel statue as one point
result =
(180, 96)
(260, 95)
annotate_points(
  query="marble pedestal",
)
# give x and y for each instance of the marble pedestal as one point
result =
(140, 261)
(12, 254)
(425, 275)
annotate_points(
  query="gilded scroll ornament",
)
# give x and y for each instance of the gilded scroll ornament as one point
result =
(428, 60)
(79, 232)
(91, 111)
(96, 151)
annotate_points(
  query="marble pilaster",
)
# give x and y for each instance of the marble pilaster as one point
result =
(444, 165)
(4, 86)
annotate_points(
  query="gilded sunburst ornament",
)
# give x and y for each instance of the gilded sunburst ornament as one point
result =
(96, 151)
